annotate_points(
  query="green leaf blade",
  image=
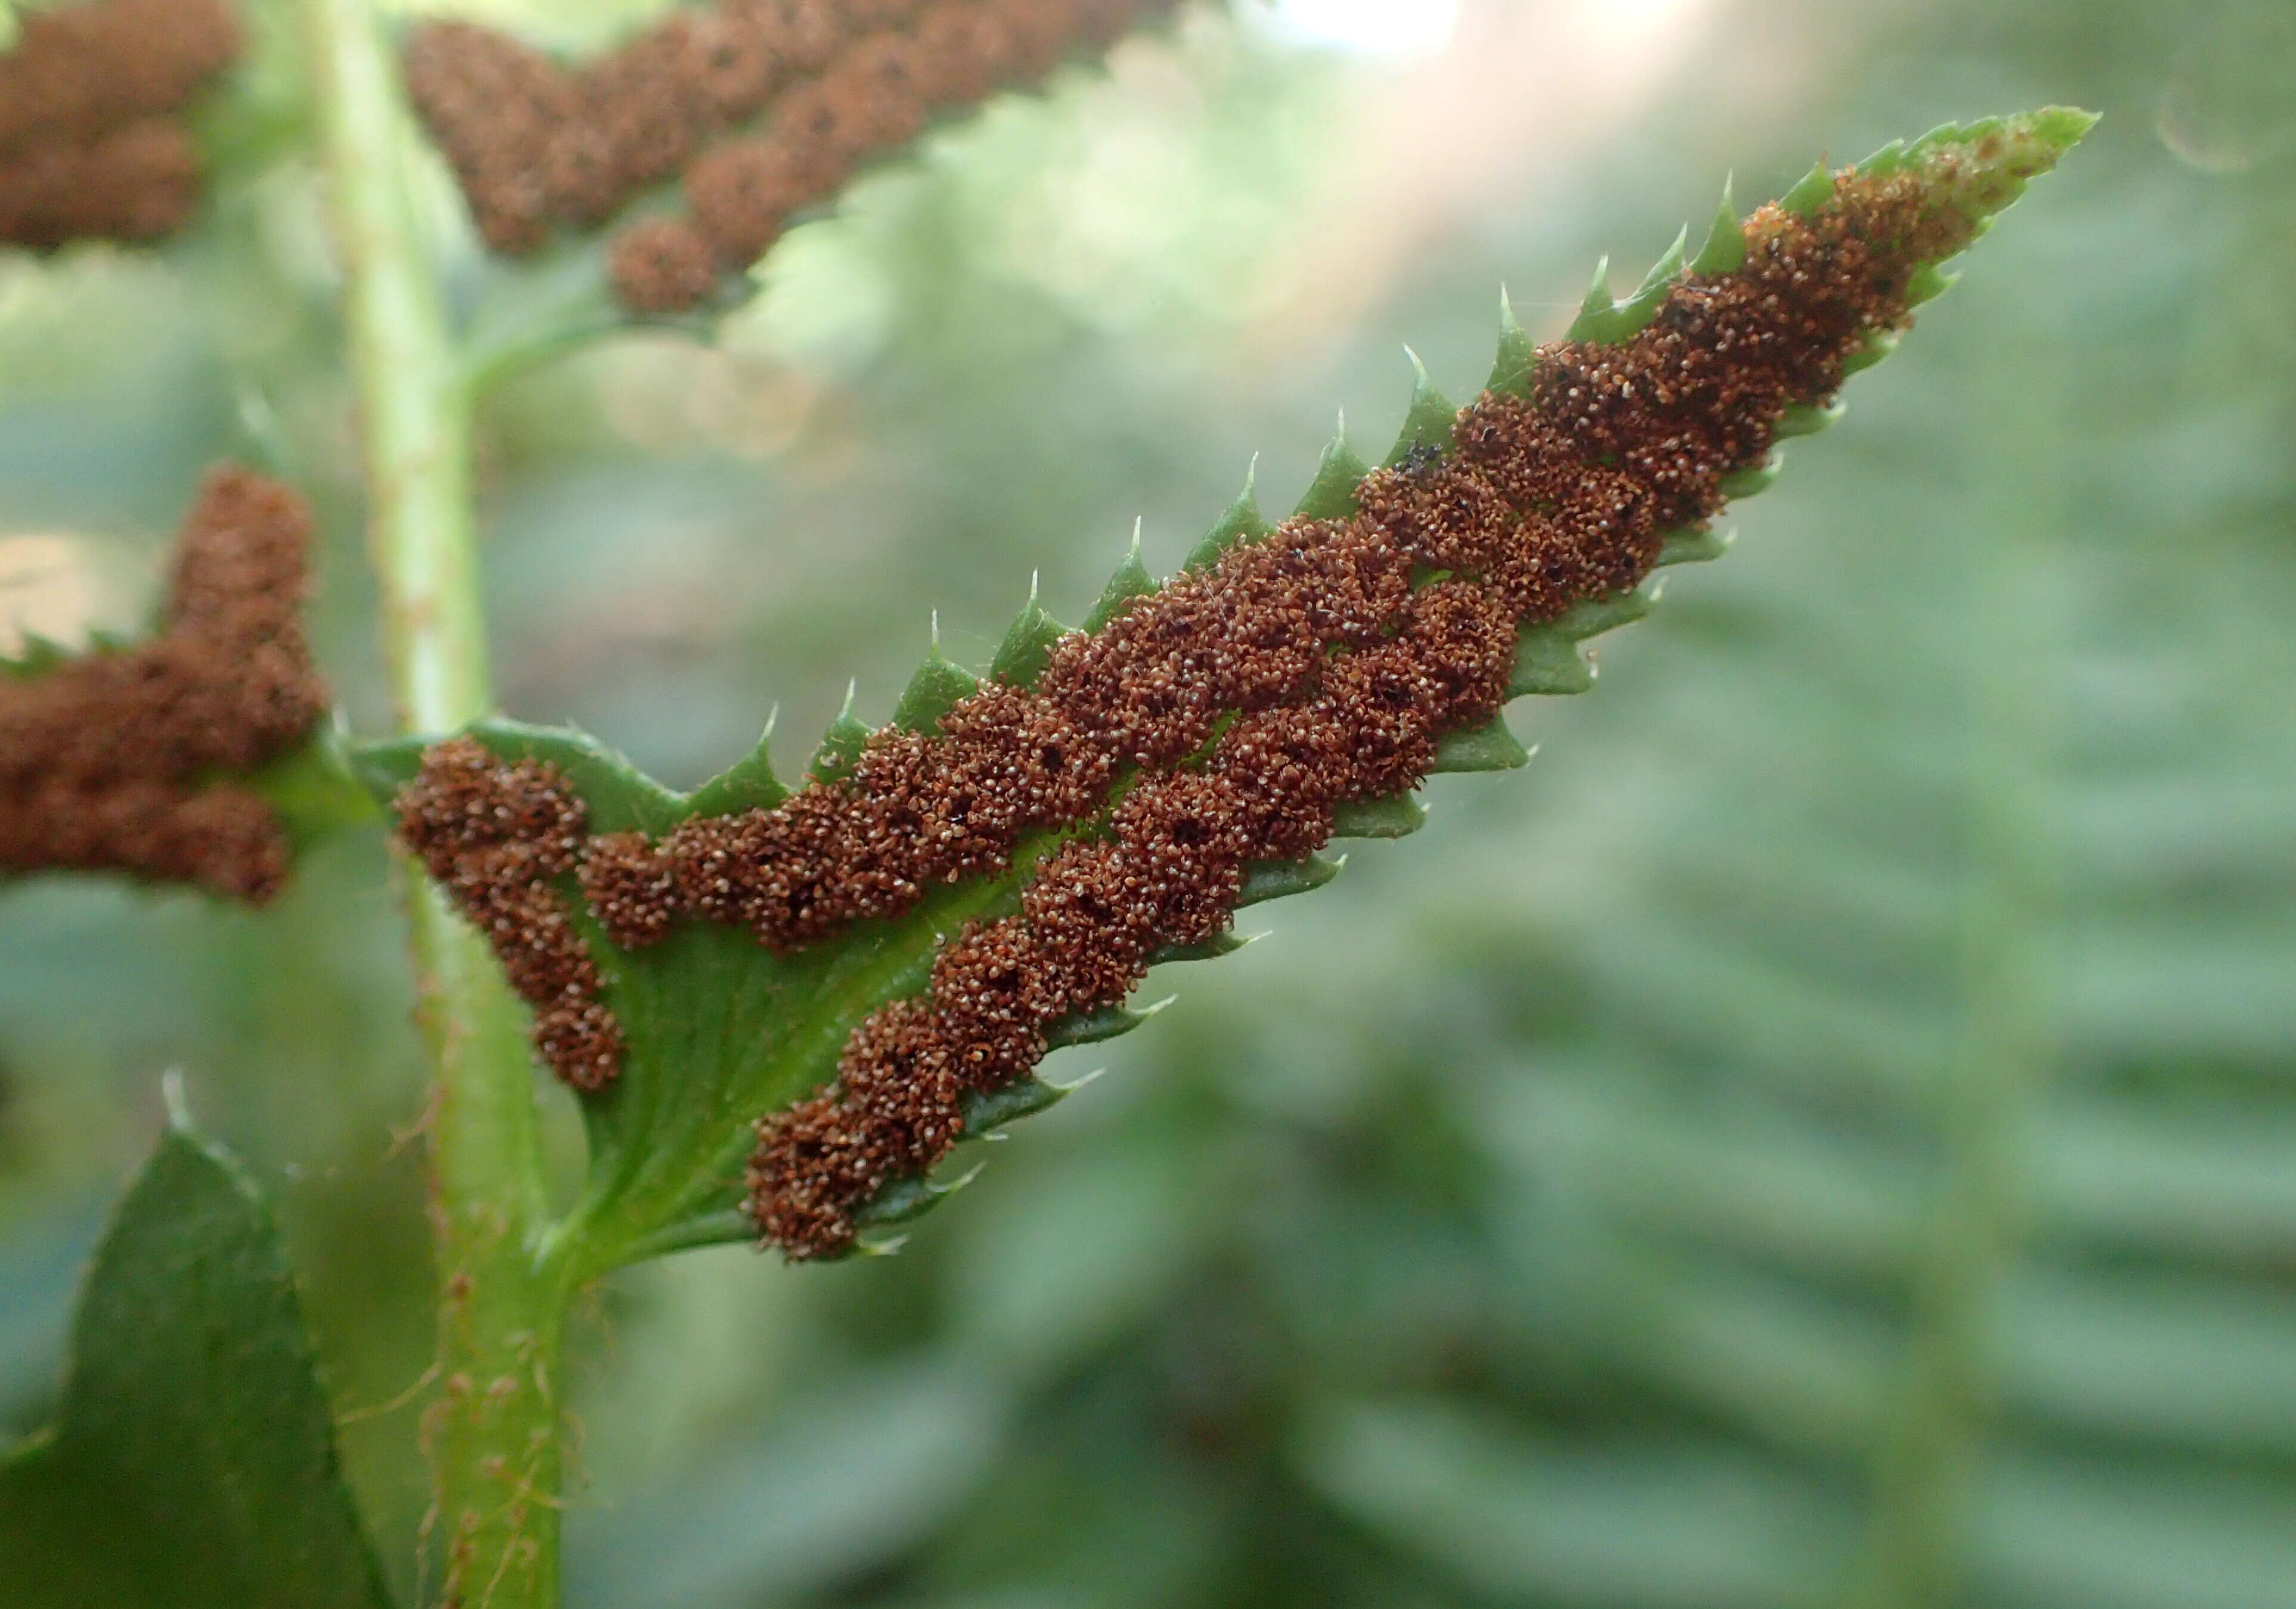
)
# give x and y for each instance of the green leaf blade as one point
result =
(193, 1462)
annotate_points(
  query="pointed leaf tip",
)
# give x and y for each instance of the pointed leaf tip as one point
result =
(1028, 645)
(1518, 354)
(1489, 747)
(1548, 662)
(935, 687)
(749, 784)
(1755, 478)
(1280, 880)
(1397, 817)
(1635, 315)
(1431, 422)
(1803, 419)
(1595, 313)
(1725, 251)
(1331, 495)
(1885, 161)
(1878, 346)
(2062, 126)
(984, 1112)
(1812, 195)
(1093, 1027)
(841, 744)
(1130, 581)
(1241, 523)
(1928, 282)
(1211, 950)
(1692, 546)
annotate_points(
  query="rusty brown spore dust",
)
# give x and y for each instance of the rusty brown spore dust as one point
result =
(92, 141)
(1245, 700)
(760, 108)
(121, 761)
(492, 835)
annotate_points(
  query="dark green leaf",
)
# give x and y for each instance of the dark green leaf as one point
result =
(932, 691)
(1429, 424)
(841, 745)
(192, 1464)
(1242, 522)
(1331, 495)
(1022, 656)
(1518, 354)
(1130, 581)
(750, 785)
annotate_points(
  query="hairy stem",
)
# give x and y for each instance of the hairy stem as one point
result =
(493, 1434)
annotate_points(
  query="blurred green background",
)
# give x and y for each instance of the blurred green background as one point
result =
(1824, 1135)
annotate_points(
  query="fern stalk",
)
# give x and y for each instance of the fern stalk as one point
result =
(1927, 1474)
(492, 1436)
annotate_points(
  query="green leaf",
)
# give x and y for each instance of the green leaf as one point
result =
(1595, 310)
(1216, 947)
(1431, 423)
(1331, 495)
(1691, 547)
(1518, 354)
(1242, 522)
(750, 785)
(1755, 478)
(1812, 195)
(1890, 158)
(720, 1030)
(1637, 312)
(1609, 323)
(984, 1113)
(1596, 616)
(1725, 251)
(1095, 1027)
(37, 655)
(531, 311)
(1803, 419)
(906, 1200)
(1280, 880)
(1489, 747)
(935, 689)
(1394, 817)
(314, 790)
(621, 798)
(1878, 346)
(192, 1464)
(841, 745)
(1547, 661)
(1022, 656)
(1928, 282)
(1130, 581)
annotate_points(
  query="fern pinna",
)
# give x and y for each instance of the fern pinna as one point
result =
(94, 143)
(164, 761)
(867, 969)
(781, 1010)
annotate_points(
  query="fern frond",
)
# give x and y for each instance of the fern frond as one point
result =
(199, 756)
(1904, 1129)
(1005, 861)
(756, 109)
(94, 141)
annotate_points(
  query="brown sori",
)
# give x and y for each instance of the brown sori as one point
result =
(115, 761)
(763, 107)
(92, 141)
(494, 835)
(1228, 713)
